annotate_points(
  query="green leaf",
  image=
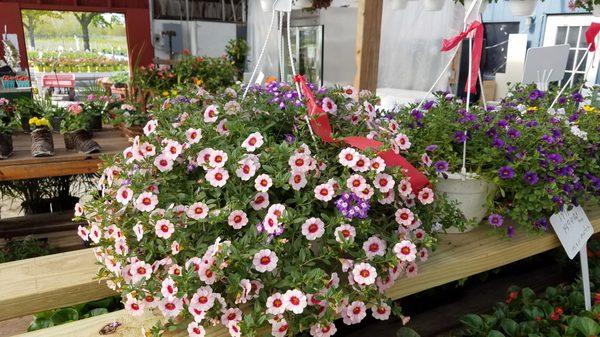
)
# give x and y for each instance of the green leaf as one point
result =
(65, 315)
(97, 312)
(472, 321)
(495, 333)
(40, 323)
(586, 326)
(407, 332)
(509, 326)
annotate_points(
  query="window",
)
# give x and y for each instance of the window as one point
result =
(496, 43)
(570, 29)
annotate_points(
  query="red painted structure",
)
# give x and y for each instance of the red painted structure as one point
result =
(137, 22)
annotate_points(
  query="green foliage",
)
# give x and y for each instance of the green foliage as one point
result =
(237, 51)
(29, 247)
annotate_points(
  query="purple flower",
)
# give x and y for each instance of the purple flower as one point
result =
(532, 124)
(351, 206)
(531, 178)
(502, 123)
(562, 100)
(506, 172)
(498, 143)
(514, 133)
(428, 105)
(548, 139)
(460, 136)
(441, 166)
(431, 147)
(555, 158)
(535, 94)
(290, 138)
(510, 231)
(496, 220)
(417, 114)
(577, 97)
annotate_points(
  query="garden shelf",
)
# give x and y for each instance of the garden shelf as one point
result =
(21, 165)
(65, 279)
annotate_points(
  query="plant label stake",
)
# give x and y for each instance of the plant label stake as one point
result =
(574, 230)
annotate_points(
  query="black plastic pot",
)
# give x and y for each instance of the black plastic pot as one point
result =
(6, 145)
(95, 123)
(56, 123)
(25, 124)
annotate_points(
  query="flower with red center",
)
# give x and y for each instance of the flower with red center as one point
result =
(246, 170)
(164, 228)
(83, 233)
(275, 304)
(402, 141)
(263, 182)
(350, 92)
(193, 136)
(405, 251)
(279, 328)
(217, 158)
(381, 312)
(217, 177)
(197, 210)
(133, 306)
(411, 270)
(237, 219)
(323, 330)
(203, 299)
(168, 288)
(345, 233)
(297, 180)
(277, 210)
(423, 254)
(405, 188)
(172, 149)
(265, 260)
(163, 163)
(196, 330)
(94, 234)
(364, 274)
(374, 246)
(254, 141)
(295, 301)
(124, 195)
(206, 274)
(222, 127)
(356, 312)
(231, 315)
(300, 162)
(211, 114)
(377, 164)
(426, 196)
(146, 202)
(150, 127)
(324, 192)
(147, 149)
(313, 228)
(329, 106)
(271, 224)
(356, 183)
(383, 182)
(140, 270)
(260, 201)
(404, 217)
(363, 164)
(348, 157)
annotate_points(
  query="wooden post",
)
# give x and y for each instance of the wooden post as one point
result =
(368, 36)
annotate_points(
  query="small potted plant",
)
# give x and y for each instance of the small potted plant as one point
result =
(42, 144)
(7, 127)
(75, 129)
(129, 119)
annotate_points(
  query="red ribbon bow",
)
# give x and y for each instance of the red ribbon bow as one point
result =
(319, 123)
(449, 44)
(590, 35)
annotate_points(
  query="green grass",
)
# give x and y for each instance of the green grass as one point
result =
(97, 43)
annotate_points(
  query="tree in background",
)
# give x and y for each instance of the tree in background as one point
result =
(94, 19)
(31, 20)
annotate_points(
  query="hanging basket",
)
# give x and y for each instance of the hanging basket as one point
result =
(522, 7)
(6, 145)
(399, 4)
(471, 195)
(81, 141)
(433, 5)
(42, 144)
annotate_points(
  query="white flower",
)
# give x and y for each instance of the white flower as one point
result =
(253, 141)
(297, 180)
(222, 127)
(404, 217)
(300, 162)
(279, 328)
(94, 234)
(147, 149)
(237, 219)
(140, 270)
(217, 158)
(271, 224)
(203, 156)
(195, 330)
(350, 92)
(168, 288)
(313, 228)
(193, 135)
(369, 108)
(150, 127)
(124, 195)
(260, 201)
(146, 202)
(277, 210)
(348, 157)
(263, 182)
(83, 233)
(426, 196)
(381, 312)
(163, 163)
(324, 192)
(329, 105)
(356, 312)
(203, 299)
(295, 301)
(164, 228)
(374, 246)
(384, 182)
(170, 307)
(265, 260)
(363, 164)
(217, 177)
(211, 114)
(366, 193)
(172, 150)
(78, 209)
(133, 306)
(364, 274)
(138, 230)
(197, 210)
(405, 188)
(356, 183)
(402, 141)
(231, 315)
(275, 304)
(345, 233)
(405, 251)
(318, 330)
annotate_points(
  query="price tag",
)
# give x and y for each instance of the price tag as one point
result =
(573, 229)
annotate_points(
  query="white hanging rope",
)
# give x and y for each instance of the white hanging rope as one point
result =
(439, 78)
(280, 47)
(584, 58)
(289, 42)
(463, 169)
(262, 52)
(483, 100)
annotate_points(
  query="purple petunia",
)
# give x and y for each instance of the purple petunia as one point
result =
(496, 220)
(577, 97)
(351, 206)
(498, 143)
(441, 166)
(514, 133)
(506, 172)
(531, 178)
(431, 147)
(460, 136)
(510, 231)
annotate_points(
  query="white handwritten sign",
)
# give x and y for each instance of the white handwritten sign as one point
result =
(573, 229)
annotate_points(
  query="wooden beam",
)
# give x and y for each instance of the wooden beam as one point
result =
(459, 256)
(368, 36)
(48, 282)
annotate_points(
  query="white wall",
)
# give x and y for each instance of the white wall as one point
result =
(339, 63)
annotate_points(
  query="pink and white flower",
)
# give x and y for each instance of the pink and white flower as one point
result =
(140, 270)
(275, 304)
(263, 182)
(175, 248)
(234, 329)
(246, 170)
(426, 160)
(356, 312)
(206, 274)
(265, 260)
(150, 127)
(366, 193)
(124, 195)
(172, 150)
(384, 182)
(83, 233)
(231, 315)
(163, 163)
(134, 307)
(426, 196)
(222, 127)
(364, 274)
(279, 328)
(203, 299)
(350, 92)
(211, 114)
(405, 251)
(363, 164)
(297, 180)
(164, 228)
(318, 330)
(404, 188)
(147, 149)
(146, 202)
(374, 246)
(345, 233)
(253, 141)
(94, 234)
(295, 301)
(217, 159)
(411, 270)
(404, 217)
(170, 307)
(423, 254)
(217, 177)
(138, 230)
(329, 105)
(381, 312)
(324, 192)
(204, 156)
(348, 157)
(260, 201)
(196, 330)
(277, 210)
(78, 209)
(271, 224)
(237, 219)
(356, 183)
(197, 210)
(193, 136)
(402, 141)
(300, 162)
(313, 228)
(168, 288)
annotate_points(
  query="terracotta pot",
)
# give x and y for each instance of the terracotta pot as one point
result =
(42, 144)
(6, 145)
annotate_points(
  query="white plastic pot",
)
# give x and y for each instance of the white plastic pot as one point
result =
(266, 5)
(522, 7)
(433, 5)
(399, 4)
(482, 8)
(596, 10)
(471, 195)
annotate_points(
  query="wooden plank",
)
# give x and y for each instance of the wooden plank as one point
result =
(37, 224)
(368, 36)
(48, 282)
(21, 165)
(459, 256)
